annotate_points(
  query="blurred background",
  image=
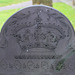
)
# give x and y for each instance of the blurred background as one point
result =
(9, 7)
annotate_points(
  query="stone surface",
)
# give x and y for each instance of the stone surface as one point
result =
(33, 41)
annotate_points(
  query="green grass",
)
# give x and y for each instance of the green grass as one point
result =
(67, 10)
(64, 8)
(10, 2)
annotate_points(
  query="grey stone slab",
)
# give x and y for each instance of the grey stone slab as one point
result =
(34, 40)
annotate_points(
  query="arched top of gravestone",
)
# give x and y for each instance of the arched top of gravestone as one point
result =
(38, 27)
(33, 40)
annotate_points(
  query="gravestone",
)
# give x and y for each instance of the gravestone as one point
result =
(34, 40)
(45, 2)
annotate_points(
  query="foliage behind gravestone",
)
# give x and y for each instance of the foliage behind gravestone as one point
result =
(45, 2)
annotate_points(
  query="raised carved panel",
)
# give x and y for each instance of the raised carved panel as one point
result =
(33, 40)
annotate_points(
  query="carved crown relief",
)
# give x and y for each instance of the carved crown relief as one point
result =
(40, 28)
(38, 38)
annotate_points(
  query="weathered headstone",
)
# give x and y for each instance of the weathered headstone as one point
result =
(33, 41)
(45, 2)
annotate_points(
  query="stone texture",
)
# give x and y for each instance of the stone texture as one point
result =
(33, 41)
